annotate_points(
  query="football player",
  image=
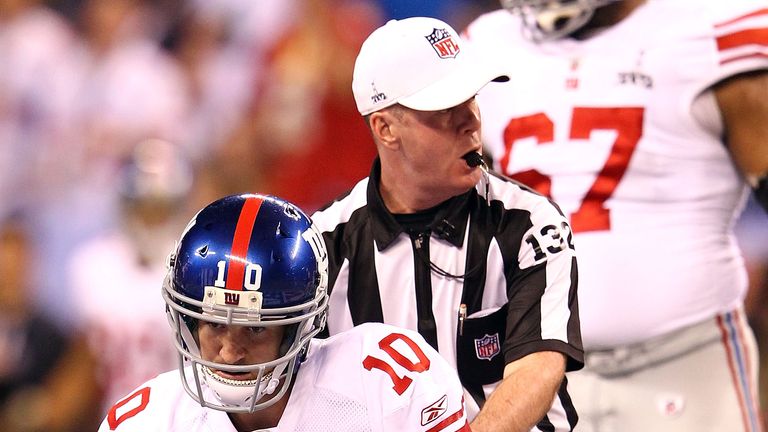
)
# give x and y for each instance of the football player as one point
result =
(245, 294)
(645, 120)
(132, 341)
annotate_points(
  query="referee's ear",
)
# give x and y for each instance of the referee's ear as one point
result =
(385, 125)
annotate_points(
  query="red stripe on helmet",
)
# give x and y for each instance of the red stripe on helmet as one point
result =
(240, 242)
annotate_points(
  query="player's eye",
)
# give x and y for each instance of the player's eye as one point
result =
(214, 325)
(257, 330)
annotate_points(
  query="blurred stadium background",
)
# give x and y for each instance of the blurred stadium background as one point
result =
(120, 118)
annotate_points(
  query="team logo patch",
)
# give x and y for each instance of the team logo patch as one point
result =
(487, 347)
(443, 44)
(232, 298)
(434, 411)
(214, 296)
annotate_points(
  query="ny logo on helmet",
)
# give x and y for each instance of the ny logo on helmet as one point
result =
(231, 298)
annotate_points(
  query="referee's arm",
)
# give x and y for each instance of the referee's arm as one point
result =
(524, 395)
(543, 339)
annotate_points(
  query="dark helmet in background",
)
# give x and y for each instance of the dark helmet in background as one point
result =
(553, 19)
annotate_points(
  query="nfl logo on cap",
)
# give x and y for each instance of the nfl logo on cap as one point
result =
(487, 347)
(415, 62)
(443, 43)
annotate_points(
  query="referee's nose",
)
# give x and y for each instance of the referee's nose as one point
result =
(468, 115)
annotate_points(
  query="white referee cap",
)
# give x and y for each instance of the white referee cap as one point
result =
(420, 63)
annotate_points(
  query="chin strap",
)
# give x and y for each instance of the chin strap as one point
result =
(274, 380)
(242, 395)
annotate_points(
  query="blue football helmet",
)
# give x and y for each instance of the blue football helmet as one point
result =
(553, 19)
(246, 260)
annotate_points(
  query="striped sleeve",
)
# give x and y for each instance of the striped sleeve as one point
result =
(743, 37)
(541, 283)
(739, 36)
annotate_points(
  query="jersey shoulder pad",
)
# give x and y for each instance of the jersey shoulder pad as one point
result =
(490, 23)
(739, 30)
(516, 195)
(340, 210)
(414, 385)
(145, 408)
(720, 11)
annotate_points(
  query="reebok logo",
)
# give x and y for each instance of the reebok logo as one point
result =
(434, 411)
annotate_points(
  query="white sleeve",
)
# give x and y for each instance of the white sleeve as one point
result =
(413, 385)
(133, 412)
(158, 405)
(738, 30)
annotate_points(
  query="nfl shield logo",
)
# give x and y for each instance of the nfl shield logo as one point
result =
(487, 347)
(443, 44)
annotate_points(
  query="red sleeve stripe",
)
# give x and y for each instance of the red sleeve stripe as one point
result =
(744, 57)
(743, 17)
(758, 36)
(240, 242)
(453, 418)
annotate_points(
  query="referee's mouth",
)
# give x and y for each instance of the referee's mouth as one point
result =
(473, 158)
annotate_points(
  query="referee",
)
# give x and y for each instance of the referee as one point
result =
(481, 266)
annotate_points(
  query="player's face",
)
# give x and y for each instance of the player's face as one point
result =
(238, 345)
(434, 143)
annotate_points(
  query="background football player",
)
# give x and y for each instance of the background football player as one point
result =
(645, 120)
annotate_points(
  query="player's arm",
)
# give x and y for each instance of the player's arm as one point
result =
(415, 388)
(525, 394)
(744, 107)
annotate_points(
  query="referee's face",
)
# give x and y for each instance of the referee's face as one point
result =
(433, 144)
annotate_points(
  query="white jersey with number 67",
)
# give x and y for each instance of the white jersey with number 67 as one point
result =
(374, 377)
(620, 130)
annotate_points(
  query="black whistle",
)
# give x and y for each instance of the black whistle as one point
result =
(473, 159)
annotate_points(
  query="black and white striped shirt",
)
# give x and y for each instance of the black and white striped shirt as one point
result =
(492, 279)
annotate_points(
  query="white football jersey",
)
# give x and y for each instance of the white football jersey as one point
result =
(120, 310)
(623, 133)
(374, 377)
